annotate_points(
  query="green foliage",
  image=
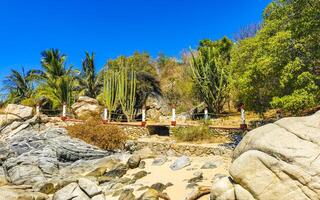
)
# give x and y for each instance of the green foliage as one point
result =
(127, 91)
(210, 72)
(18, 85)
(56, 83)
(110, 91)
(197, 134)
(296, 102)
(176, 82)
(277, 67)
(90, 83)
(147, 79)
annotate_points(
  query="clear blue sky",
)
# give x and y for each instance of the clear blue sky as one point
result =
(112, 28)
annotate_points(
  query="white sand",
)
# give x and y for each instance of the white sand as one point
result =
(179, 179)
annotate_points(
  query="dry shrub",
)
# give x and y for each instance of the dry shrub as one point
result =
(93, 131)
(198, 134)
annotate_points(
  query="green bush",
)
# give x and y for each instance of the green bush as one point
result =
(197, 134)
(295, 103)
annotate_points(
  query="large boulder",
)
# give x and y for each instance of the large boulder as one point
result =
(15, 112)
(86, 106)
(276, 161)
(15, 193)
(156, 107)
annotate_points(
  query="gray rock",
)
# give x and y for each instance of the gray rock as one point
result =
(86, 106)
(198, 176)
(98, 197)
(159, 161)
(209, 165)
(276, 161)
(180, 163)
(89, 187)
(119, 171)
(25, 174)
(127, 194)
(71, 191)
(145, 153)
(140, 175)
(160, 187)
(134, 161)
(11, 193)
(150, 194)
(142, 164)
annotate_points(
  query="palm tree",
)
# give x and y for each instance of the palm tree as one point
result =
(56, 82)
(90, 83)
(18, 85)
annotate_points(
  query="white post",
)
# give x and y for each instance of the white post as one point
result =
(64, 110)
(143, 115)
(143, 122)
(38, 109)
(243, 116)
(206, 114)
(173, 119)
(105, 114)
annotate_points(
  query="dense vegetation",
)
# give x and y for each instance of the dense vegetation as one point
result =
(273, 64)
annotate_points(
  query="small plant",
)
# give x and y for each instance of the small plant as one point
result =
(197, 134)
(92, 131)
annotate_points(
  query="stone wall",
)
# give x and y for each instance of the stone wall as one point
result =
(177, 149)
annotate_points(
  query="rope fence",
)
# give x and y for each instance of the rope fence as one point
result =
(67, 115)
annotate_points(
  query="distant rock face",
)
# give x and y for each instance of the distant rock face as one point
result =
(156, 107)
(15, 112)
(86, 106)
(276, 161)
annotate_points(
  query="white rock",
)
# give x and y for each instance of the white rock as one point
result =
(89, 187)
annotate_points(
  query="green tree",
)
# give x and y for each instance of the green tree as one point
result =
(19, 86)
(56, 83)
(276, 68)
(210, 72)
(90, 83)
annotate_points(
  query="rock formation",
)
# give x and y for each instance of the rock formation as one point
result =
(277, 161)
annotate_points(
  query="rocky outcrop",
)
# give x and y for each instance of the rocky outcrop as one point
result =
(15, 112)
(86, 106)
(156, 107)
(276, 161)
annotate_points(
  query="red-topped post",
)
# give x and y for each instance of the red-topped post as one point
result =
(105, 115)
(64, 111)
(143, 121)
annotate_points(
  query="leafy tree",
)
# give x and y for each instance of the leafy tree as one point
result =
(210, 72)
(56, 82)
(277, 66)
(90, 82)
(19, 86)
(176, 83)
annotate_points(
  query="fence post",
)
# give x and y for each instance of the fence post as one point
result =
(206, 114)
(173, 117)
(243, 124)
(38, 109)
(64, 112)
(105, 115)
(143, 122)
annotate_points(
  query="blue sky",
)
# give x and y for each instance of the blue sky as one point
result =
(112, 28)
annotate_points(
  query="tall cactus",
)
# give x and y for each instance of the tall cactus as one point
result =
(110, 91)
(127, 91)
(210, 77)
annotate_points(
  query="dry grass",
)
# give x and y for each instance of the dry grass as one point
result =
(92, 131)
